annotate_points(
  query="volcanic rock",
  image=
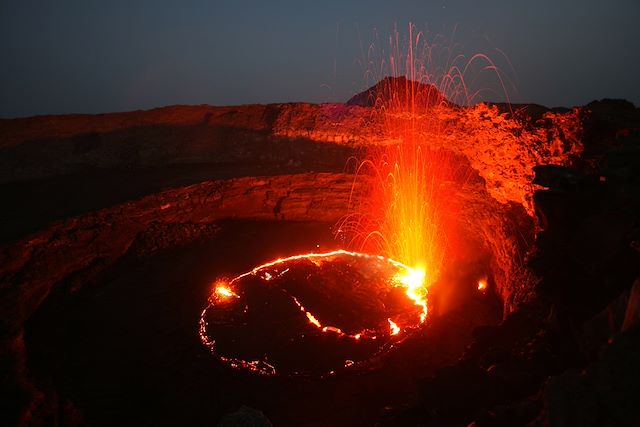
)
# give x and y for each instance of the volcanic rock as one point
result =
(149, 150)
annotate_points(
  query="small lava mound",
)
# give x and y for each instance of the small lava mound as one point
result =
(393, 92)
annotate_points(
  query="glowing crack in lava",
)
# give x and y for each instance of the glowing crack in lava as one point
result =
(313, 314)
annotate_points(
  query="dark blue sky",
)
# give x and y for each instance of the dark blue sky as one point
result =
(101, 56)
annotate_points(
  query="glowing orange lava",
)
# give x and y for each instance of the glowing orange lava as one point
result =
(222, 292)
(227, 294)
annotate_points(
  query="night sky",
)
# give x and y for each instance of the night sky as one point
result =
(104, 56)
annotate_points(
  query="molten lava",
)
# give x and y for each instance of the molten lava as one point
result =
(359, 303)
(222, 292)
(395, 329)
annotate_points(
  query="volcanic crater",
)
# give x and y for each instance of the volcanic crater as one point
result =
(117, 227)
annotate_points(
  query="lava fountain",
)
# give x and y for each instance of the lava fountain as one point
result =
(403, 218)
(318, 313)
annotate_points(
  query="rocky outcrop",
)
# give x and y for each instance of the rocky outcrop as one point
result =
(42, 147)
(503, 146)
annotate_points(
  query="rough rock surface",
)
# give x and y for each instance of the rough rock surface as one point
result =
(503, 146)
